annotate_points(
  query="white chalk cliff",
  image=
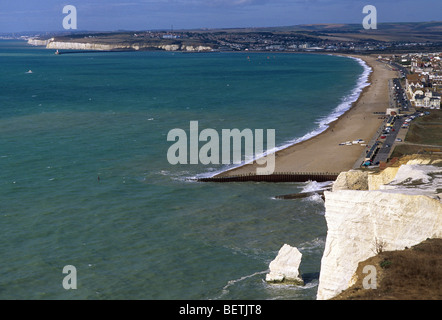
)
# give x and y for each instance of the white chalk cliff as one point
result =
(65, 45)
(285, 267)
(400, 207)
(37, 42)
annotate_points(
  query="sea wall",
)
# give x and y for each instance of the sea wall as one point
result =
(403, 211)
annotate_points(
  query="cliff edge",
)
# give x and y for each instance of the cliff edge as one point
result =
(392, 209)
(108, 45)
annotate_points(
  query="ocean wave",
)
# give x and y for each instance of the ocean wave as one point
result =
(225, 289)
(181, 176)
(323, 123)
(344, 106)
(312, 186)
(314, 198)
(312, 245)
(285, 286)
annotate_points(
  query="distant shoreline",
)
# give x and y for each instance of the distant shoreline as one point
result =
(322, 153)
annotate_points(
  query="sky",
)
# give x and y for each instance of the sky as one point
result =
(112, 15)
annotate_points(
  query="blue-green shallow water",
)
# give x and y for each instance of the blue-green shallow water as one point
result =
(143, 231)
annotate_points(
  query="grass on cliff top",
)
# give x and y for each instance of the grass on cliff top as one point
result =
(405, 149)
(411, 274)
(426, 129)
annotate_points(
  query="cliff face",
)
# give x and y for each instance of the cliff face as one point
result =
(64, 45)
(83, 46)
(405, 210)
(37, 42)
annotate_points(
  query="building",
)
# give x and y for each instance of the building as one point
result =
(429, 99)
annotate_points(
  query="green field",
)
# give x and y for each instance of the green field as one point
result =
(426, 129)
(423, 133)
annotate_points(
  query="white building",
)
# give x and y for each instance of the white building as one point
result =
(429, 99)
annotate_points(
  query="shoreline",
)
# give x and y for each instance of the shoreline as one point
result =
(322, 152)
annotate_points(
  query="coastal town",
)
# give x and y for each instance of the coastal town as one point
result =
(413, 58)
(415, 93)
(390, 38)
(239, 41)
(382, 194)
(221, 158)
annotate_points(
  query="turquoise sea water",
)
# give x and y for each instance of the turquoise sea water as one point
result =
(142, 230)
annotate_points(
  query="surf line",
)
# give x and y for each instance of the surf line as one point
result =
(186, 149)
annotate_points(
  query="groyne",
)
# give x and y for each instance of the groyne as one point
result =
(276, 177)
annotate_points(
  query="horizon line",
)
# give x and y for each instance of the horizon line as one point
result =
(217, 28)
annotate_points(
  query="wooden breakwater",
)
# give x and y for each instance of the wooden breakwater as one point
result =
(276, 177)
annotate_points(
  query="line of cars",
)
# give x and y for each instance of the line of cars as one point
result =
(400, 96)
(381, 149)
(410, 118)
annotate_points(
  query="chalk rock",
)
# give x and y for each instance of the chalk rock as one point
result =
(351, 180)
(401, 208)
(81, 46)
(357, 220)
(285, 267)
(195, 48)
(170, 47)
(37, 42)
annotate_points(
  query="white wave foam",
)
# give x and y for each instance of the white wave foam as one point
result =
(345, 105)
(182, 176)
(312, 245)
(314, 198)
(312, 186)
(235, 281)
(285, 286)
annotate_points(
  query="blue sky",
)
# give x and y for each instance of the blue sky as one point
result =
(109, 15)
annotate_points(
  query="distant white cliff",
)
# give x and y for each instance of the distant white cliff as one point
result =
(83, 46)
(399, 208)
(65, 45)
(37, 42)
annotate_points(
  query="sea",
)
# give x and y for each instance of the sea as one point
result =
(85, 180)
